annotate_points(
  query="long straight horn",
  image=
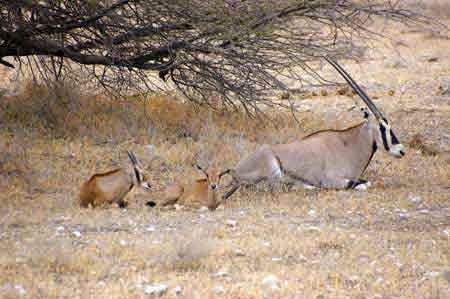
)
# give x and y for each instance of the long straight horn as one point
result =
(135, 163)
(362, 94)
(132, 158)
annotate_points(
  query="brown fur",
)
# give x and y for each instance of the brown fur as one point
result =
(93, 194)
(194, 194)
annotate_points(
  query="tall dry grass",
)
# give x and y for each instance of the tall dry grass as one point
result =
(45, 128)
(63, 109)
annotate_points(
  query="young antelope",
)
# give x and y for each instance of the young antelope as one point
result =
(195, 194)
(112, 186)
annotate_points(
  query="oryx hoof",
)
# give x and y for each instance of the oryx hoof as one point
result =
(309, 187)
(363, 186)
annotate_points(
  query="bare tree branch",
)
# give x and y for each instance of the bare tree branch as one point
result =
(240, 50)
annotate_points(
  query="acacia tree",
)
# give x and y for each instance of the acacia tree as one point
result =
(239, 49)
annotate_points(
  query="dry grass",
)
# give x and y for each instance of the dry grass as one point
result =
(392, 241)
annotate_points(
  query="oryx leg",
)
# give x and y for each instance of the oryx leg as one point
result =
(230, 192)
(263, 165)
(359, 184)
(235, 185)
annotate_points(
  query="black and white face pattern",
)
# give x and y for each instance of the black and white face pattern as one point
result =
(139, 176)
(389, 140)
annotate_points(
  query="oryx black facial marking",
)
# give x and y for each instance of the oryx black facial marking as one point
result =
(383, 136)
(138, 175)
(394, 138)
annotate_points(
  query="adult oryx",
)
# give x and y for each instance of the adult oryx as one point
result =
(326, 159)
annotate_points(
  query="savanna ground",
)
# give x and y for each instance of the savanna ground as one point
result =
(392, 241)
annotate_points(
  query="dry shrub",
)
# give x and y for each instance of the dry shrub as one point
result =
(57, 107)
(15, 166)
(62, 109)
(62, 259)
(189, 253)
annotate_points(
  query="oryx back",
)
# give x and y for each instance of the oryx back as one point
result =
(327, 158)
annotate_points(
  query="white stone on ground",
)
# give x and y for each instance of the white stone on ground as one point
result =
(415, 199)
(239, 252)
(231, 223)
(221, 273)
(272, 281)
(177, 289)
(76, 233)
(150, 229)
(156, 289)
(312, 213)
(219, 289)
(312, 228)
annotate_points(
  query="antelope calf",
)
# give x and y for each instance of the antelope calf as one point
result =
(112, 186)
(325, 159)
(195, 194)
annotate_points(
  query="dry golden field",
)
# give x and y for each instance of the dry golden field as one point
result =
(392, 241)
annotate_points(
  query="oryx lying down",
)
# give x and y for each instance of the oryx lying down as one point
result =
(325, 159)
(112, 186)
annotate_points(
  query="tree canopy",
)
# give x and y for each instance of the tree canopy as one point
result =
(240, 50)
